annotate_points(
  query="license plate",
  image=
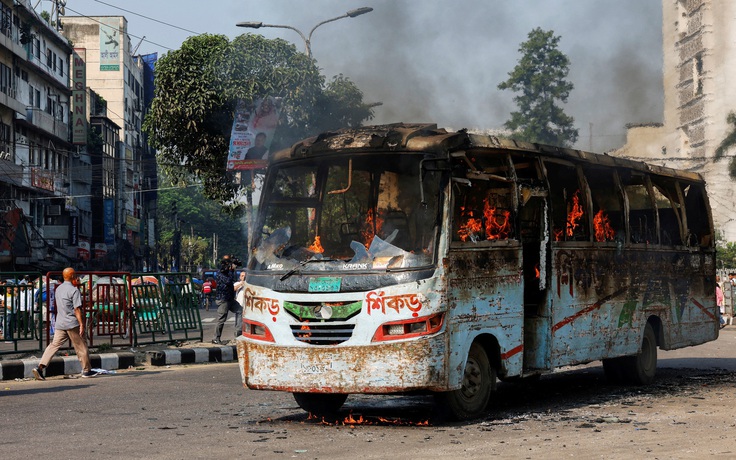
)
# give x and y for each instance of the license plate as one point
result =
(326, 284)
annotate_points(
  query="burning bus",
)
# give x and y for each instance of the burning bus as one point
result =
(404, 258)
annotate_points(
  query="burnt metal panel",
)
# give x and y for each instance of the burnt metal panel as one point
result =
(601, 299)
(486, 297)
(376, 368)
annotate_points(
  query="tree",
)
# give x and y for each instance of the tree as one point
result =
(199, 220)
(198, 86)
(728, 142)
(539, 77)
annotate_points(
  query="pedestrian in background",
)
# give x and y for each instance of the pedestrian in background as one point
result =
(720, 303)
(225, 298)
(69, 325)
(207, 288)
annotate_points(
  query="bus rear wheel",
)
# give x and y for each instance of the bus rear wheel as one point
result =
(641, 368)
(320, 403)
(479, 380)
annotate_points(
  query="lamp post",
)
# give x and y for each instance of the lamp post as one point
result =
(307, 38)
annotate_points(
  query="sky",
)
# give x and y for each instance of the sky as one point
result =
(440, 61)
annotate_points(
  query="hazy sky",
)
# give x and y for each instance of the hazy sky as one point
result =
(441, 61)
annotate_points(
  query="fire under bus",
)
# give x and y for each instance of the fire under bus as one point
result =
(405, 258)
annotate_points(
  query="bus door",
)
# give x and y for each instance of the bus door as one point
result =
(533, 233)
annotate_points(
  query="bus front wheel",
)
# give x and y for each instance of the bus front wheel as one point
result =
(320, 403)
(479, 380)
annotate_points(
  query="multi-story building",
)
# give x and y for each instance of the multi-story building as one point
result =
(699, 42)
(116, 75)
(42, 174)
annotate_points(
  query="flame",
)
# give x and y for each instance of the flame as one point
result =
(472, 226)
(574, 215)
(496, 228)
(349, 420)
(372, 225)
(316, 246)
(305, 327)
(603, 229)
(353, 422)
(536, 271)
(558, 235)
(497, 223)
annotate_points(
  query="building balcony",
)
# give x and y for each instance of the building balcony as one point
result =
(47, 122)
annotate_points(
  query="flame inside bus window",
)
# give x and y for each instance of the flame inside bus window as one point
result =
(359, 212)
(483, 212)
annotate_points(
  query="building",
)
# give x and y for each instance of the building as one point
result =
(117, 76)
(44, 179)
(699, 41)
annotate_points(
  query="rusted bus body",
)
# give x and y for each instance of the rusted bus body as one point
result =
(404, 257)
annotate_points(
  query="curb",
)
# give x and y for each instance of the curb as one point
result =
(192, 355)
(64, 365)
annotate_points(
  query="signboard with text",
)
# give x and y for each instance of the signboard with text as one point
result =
(79, 96)
(110, 37)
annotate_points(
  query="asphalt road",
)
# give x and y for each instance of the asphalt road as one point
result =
(202, 411)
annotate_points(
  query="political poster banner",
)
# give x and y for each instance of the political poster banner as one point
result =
(252, 134)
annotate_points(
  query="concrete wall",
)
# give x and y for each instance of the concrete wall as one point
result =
(699, 58)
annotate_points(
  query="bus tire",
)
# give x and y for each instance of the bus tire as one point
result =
(320, 403)
(641, 368)
(479, 380)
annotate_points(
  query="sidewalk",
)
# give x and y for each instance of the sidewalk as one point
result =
(125, 358)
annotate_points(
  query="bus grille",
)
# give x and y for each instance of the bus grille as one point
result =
(322, 333)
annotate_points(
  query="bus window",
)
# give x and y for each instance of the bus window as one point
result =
(642, 222)
(698, 221)
(483, 211)
(608, 215)
(669, 210)
(569, 222)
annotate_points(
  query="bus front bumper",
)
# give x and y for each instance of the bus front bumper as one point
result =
(387, 367)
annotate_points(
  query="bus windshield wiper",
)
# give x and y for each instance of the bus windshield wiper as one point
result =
(302, 264)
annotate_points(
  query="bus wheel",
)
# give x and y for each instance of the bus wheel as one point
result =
(479, 380)
(320, 403)
(641, 368)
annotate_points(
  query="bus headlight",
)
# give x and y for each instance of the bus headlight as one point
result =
(257, 331)
(409, 328)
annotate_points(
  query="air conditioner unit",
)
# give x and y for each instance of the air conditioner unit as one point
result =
(53, 210)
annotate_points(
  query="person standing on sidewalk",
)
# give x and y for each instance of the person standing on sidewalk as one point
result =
(69, 325)
(225, 298)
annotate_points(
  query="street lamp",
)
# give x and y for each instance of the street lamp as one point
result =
(307, 38)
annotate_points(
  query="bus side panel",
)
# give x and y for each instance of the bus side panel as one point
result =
(602, 298)
(485, 297)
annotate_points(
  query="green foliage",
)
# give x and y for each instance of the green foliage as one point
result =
(726, 256)
(539, 78)
(198, 86)
(200, 219)
(728, 142)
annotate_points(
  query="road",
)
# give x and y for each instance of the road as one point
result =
(202, 411)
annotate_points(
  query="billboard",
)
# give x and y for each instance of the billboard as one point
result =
(108, 221)
(110, 44)
(252, 133)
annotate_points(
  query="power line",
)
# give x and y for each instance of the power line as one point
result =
(149, 18)
(134, 36)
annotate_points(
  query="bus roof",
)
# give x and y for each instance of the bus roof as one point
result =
(426, 137)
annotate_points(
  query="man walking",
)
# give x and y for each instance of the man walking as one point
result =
(69, 325)
(225, 298)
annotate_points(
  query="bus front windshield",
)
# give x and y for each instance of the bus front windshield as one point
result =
(345, 213)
